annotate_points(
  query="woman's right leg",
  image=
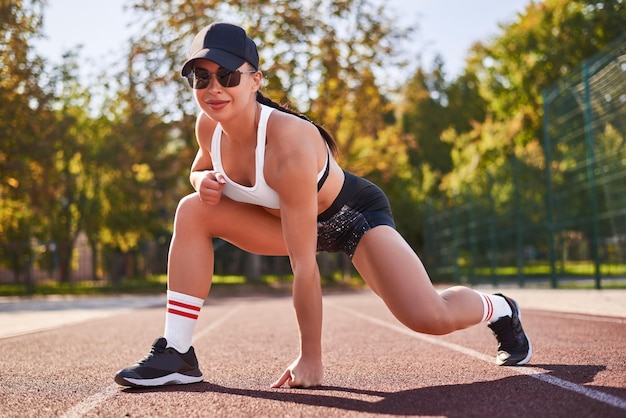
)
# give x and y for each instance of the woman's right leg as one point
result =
(172, 360)
(190, 262)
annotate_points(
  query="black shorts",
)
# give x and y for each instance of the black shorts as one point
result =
(359, 207)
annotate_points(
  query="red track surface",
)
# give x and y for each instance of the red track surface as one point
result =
(374, 366)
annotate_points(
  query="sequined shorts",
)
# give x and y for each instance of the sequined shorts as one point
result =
(359, 207)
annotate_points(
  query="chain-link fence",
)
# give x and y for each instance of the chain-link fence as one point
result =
(578, 226)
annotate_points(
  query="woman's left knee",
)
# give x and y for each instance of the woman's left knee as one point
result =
(434, 322)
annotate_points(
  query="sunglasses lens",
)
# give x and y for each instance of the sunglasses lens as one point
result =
(200, 78)
(228, 78)
(189, 78)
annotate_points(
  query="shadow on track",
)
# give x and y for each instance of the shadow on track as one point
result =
(511, 396)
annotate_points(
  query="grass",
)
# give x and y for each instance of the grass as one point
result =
(148, 285)
(573, 275)
(158, 284)
(543, 269)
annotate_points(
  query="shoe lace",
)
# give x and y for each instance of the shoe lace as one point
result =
(153, 352)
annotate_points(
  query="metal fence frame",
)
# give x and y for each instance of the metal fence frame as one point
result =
(467, 240)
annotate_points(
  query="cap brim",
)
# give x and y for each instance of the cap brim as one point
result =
(218, 56)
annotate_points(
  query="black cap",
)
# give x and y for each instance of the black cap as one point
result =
(225, 44)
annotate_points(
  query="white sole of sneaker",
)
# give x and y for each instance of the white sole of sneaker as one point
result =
(171, 379)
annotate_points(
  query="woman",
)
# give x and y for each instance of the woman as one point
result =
(266, 181)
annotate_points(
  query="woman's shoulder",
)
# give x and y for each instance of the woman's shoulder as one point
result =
(292, 143)
(288, 127)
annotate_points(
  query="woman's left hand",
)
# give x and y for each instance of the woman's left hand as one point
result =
(302, 374)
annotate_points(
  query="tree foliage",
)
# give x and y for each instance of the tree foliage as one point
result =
(114, 168)
(507, 75)
(22, 101)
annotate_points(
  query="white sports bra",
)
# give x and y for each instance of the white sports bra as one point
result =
(260, 193)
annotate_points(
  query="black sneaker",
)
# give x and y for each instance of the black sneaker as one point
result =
(514, 348)
(163, 366)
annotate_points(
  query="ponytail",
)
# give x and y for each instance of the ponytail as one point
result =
(332, 145)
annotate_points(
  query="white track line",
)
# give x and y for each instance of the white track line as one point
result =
(91, 402)
(525, 370)
(581, 317)
(217, 322)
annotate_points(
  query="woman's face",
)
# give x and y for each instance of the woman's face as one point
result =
(218, 101)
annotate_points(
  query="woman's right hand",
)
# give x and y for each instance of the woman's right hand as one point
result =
(301, 374)
(210, 187)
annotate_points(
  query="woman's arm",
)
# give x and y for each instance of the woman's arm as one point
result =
(294, 176)
(204, 180)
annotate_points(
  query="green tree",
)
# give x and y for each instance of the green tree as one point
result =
(22, 118)
(498, 165)
(143, 164)
(543, 44)
(430, 107)
(62, 185)
(321, 57)
(317, 55)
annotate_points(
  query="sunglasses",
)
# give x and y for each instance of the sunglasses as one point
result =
(200, 78)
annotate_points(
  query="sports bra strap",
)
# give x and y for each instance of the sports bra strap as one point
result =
(322, 180)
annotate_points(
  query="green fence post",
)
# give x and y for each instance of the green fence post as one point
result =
(519, 239)
(472, 231)
(455, 245)
(547, 149)
(493, 244)
(591, 177)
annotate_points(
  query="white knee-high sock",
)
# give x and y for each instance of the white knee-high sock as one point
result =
(180, 319)
(494, 307)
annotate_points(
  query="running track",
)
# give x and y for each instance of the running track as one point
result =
(374, 366)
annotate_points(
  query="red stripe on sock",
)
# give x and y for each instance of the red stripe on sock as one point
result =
(489, 308)
(184, 305)
(181, 313)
